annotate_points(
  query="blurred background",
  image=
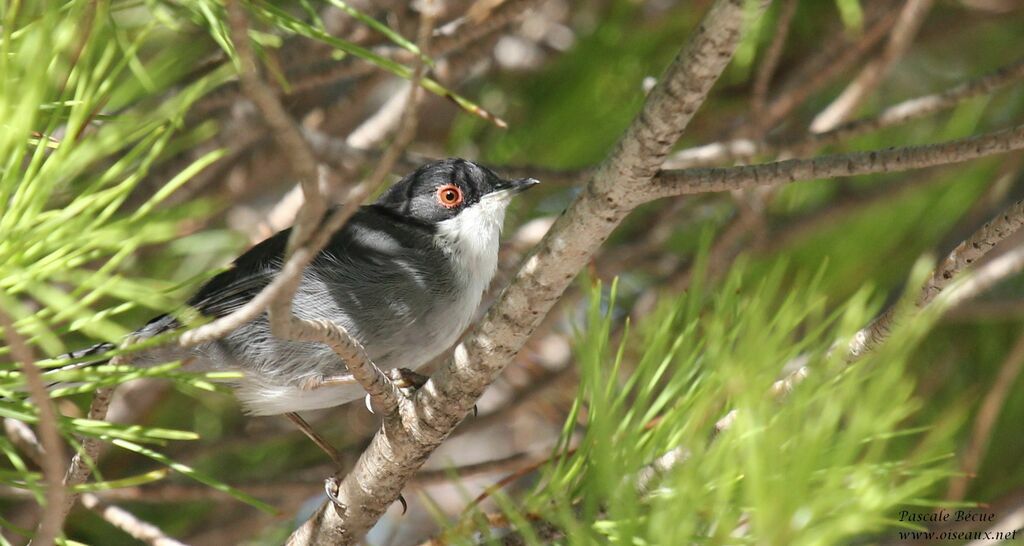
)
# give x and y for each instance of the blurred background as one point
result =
(134, 168)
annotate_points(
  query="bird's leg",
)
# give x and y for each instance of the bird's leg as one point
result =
(318, 381)
(315, 437)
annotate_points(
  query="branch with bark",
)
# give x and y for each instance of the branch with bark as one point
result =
(51, 457)
(407, 439)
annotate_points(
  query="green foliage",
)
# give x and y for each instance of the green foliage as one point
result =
(92, 108)
(832, 460)
(67, 238)
(93, 104)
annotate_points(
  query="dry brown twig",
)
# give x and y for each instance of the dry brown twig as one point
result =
(896, 114)
(25, 439)
(910, 19)
(766, 69)
(52, 458)
(984, 422)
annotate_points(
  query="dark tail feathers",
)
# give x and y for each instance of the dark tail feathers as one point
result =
(97, 349)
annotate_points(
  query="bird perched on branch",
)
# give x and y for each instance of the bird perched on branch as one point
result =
(404, 277)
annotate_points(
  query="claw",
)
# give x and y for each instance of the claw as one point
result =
(331, 489)
(405, 505)
(369, 404)
(404, 378)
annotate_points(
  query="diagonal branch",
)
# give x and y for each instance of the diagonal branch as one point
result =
(952, 279)
(404, 443)
(959, 259)
(126, 521)
(81, 464)
(903, 32)
(917, 107)
(765, 70)
(52, 460)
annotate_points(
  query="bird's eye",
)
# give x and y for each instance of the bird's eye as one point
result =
(449, 195)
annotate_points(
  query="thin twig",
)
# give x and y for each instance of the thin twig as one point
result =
(985, 420)
(80, 467)
(743, 149)
(960, 259)
(871, 76)
(715, 179)
(824, 68)
(915, 108)
(52, 519)
(443, 475)
(766, 69)
(128, 522)
(293, 145)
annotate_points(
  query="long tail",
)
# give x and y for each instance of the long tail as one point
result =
(97, 349)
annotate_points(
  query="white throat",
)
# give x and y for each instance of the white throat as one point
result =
(471, 240)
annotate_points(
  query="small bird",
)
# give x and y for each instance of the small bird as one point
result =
(404, 277)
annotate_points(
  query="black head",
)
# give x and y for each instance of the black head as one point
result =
(440, 190)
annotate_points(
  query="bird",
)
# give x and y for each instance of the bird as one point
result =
(404, 276)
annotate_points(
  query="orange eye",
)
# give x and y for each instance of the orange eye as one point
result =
(449, 195)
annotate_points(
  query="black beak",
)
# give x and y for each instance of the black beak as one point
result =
(518, 185)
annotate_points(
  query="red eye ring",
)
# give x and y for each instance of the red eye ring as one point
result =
(449, 195)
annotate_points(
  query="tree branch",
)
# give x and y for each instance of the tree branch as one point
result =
(909, 22)
(962, 257)
(405, 442)
(766, 69)
(81, 464)
(742, 149)
(52, 457)
(703, 180)
(128, 522)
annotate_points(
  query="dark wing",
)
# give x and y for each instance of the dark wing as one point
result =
(367, 243)
(232, 288)
(248, 274)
